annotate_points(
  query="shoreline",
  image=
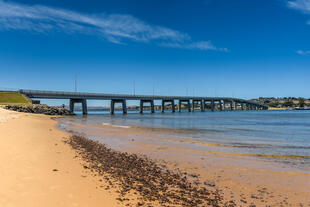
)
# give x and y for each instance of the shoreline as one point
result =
(241, 178)
(49, 172)
(38, 151)
(39, 169)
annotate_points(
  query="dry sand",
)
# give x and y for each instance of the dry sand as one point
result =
(38, 169)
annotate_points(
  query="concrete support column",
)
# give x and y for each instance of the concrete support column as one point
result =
(202, 105)
(163, 106)
(82, 101)
(188, 104)
(235, 105)
(212, 105)
(122, 101)
(124, 106)
(152, 107)
(141, 107)
(231, 105)
(84, 106)
(180, 106)
(193, 105)
(71, 105)
(112, 107)
(146, 101)
(172, 106)
(221, 106)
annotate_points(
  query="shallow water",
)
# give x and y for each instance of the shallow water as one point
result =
(283, 136)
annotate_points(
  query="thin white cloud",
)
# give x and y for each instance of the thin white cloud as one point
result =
(302, 5)
(203, 45)
(114, 28)
(303, 52)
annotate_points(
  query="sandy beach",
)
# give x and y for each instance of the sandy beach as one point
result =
(38, 169)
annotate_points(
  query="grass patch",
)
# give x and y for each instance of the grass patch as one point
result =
(7, 98)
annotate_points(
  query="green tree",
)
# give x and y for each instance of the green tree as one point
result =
(274, 104)
(301, 102)
(288, 104)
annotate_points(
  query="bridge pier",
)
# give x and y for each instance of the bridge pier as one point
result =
(112, 106)
(167, 101)
(146, 101)
(209, 105)
(173, 106)
(212, 105)
(82, 101)
(252, 107)
(221, 105)
(188, 105)
(180, 106)
(235, 105)
(243, 107)
(248, 107)
(231, 105)
(193, 105)
(202, 103)
(84, 106)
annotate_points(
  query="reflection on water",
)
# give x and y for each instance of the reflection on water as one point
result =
(268, 134)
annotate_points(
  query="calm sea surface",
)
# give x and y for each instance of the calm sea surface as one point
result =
(283, 135)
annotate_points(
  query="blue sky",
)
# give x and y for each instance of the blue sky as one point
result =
(237, 48)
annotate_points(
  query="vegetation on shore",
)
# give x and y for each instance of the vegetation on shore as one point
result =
(284, 103)
(8, 98)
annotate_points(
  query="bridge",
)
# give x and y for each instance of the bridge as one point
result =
(191, 103)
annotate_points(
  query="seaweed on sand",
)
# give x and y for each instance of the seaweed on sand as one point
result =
(140, 174)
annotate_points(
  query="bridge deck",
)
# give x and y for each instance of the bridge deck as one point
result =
(104, 96)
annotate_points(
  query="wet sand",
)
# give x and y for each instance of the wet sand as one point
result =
(39, 169)
(247, 180)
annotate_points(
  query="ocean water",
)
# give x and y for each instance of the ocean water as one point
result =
(280, 135)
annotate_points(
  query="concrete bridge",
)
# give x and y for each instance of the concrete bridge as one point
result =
(191, 103)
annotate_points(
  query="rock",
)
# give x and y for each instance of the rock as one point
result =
(144, 177)
(40, 109)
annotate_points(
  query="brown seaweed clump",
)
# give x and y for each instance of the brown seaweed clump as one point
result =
(140, 174)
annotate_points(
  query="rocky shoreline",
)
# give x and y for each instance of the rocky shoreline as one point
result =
(153, 182)
(39, 109)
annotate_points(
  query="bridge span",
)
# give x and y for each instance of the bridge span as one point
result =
(191, 103)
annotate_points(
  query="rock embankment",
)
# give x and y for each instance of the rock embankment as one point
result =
(40, 109)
